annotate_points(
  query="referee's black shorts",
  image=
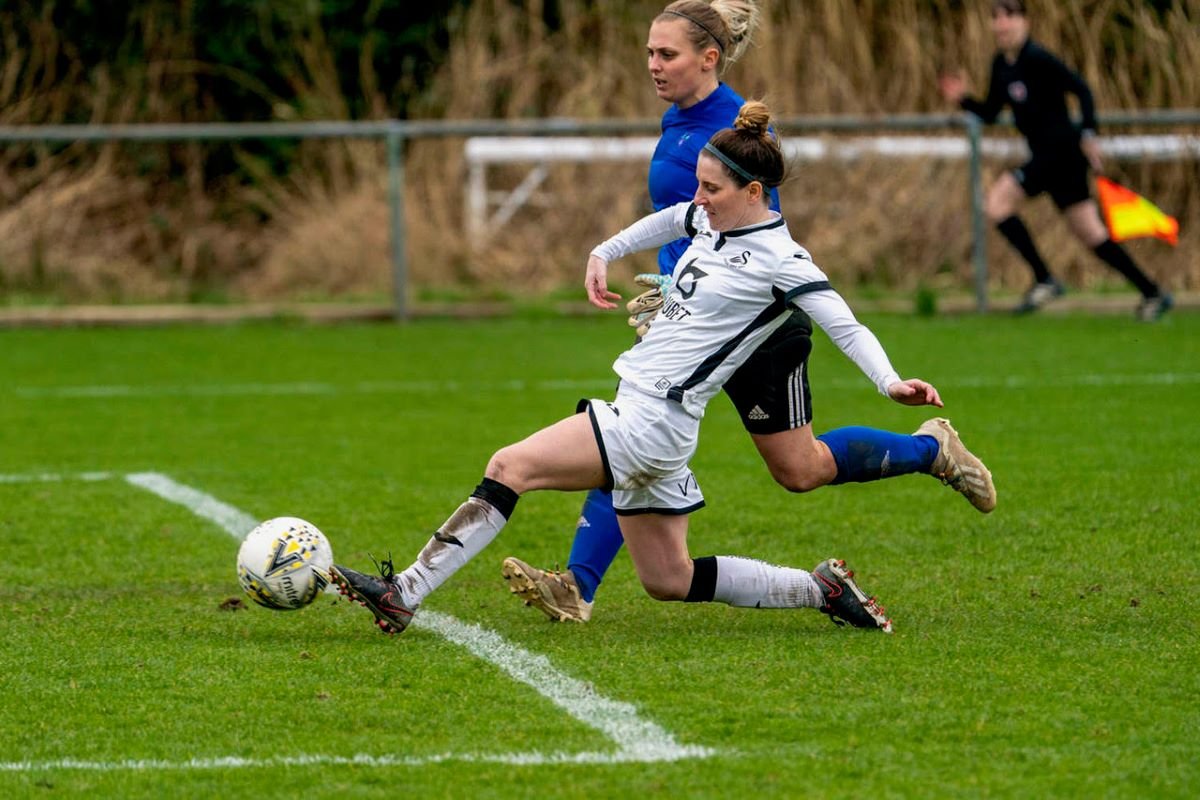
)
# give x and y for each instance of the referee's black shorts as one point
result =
(1061, 172)
(770, 390)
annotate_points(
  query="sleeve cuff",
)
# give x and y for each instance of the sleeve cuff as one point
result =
(887, 381)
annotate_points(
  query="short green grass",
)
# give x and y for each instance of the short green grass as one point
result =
(1049, 649)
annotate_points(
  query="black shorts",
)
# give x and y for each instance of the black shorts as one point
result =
(770, 390)
(1061, 173)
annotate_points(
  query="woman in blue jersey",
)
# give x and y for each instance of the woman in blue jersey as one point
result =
(736, 286)
(685, 61)
(689, 45)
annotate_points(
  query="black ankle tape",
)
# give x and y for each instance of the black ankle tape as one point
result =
(496, 494)
(704, 580)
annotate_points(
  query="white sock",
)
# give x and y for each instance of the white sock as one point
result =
(747, 582)
(468, 530)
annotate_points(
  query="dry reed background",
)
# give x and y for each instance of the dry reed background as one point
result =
(99, 223)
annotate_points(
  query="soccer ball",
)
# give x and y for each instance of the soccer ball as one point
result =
(284, 563)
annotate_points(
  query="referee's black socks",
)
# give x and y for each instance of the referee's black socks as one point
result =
(1118, 258)
(1014, 230)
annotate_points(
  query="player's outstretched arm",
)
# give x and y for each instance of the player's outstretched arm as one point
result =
(595, 283)
(915, 392)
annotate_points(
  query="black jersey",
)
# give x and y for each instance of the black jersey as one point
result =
(1035, 86)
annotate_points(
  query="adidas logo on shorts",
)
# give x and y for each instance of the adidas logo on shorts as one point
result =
(757, 413)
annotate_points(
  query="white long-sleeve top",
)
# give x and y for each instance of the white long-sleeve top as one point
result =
(731, 290)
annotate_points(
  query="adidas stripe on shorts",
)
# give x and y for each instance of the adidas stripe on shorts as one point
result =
(770, 390)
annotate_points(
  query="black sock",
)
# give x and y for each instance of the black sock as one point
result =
(1116, 257)
(704, 580)
(1018, 236)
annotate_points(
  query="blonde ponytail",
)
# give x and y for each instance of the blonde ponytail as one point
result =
(730, 24)
(741, 20)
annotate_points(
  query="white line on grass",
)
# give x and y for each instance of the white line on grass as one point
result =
(638, 740)
(532, 759)
(303, 388)
(236, 523)
(49, 477)
(587, 385)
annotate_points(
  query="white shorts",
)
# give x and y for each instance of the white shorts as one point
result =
(646, 443)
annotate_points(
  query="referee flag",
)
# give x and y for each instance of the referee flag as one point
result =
(1128, 215)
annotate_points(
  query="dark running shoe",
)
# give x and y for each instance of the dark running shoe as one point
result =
(1150, 309)
(381, 596)
(1038, 295)
(844, 601)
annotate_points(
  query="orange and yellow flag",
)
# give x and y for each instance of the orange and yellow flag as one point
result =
(1128, 215)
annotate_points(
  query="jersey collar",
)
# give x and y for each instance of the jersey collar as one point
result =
(776, 222)
(762, 226)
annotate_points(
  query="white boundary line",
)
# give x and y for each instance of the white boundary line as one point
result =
(302, 388)
(588, 385)
(638, 740)
(46, 477)
(235, 522)
(532, 759)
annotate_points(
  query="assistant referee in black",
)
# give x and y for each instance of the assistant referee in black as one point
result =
(1034, 83)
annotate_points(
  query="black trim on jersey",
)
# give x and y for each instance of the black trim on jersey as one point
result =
(779, 306)
(688, 225)
(766, 226)
(608, 476)
(746, 231)
(668, 512)
(722, 237)
(808, 288)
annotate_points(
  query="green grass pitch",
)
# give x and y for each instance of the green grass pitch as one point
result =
(1049, 649)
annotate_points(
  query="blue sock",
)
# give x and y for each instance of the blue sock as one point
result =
(868, 454)
(597, 541)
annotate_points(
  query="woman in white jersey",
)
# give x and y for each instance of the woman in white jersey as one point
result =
(737, 282)
(689, 46)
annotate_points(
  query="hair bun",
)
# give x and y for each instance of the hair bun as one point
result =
(753, 117)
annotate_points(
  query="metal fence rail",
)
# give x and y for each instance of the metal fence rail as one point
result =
(396, 132)
(539, 152)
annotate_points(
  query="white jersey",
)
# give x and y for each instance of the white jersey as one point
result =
(731, 290)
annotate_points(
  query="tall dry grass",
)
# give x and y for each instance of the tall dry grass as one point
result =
(884, 223)
(87, 222)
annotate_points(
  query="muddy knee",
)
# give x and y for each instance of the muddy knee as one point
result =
(507, 467)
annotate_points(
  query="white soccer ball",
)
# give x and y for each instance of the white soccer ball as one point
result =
(284, 563)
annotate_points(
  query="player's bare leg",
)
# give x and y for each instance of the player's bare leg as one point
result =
(562, 456)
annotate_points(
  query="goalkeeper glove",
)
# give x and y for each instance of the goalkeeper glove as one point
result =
(645, 306)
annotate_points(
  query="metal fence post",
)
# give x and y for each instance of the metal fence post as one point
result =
(978, 229)
(395, 152)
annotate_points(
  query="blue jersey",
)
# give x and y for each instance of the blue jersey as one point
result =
(673, 165)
